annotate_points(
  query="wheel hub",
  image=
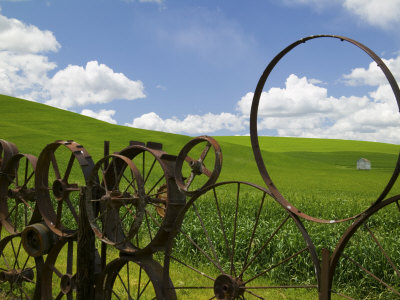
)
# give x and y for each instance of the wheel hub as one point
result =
(67, 283)
(59, 188)
(226, 287)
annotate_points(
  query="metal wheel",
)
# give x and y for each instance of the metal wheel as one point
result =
(62, 168)
(376, 267)
(160, 193)
(236, 242)
(130, 277)
(188, 176)
(59, 271)
(19, 272)
(115, 205)
(17, 193)
(7, 150)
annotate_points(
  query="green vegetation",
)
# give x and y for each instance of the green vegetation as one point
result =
(318, 176)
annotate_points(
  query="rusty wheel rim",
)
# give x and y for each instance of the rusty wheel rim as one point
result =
(56, 191)
(115, 205)
(372, 227)
(254, 132)
(228, 244)
(196, 167)
(130, 277)
(160, 193)
(17, 193)
(19, 272)
(58, 279)
(7, 150)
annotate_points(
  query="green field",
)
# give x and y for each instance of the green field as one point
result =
(318, 176)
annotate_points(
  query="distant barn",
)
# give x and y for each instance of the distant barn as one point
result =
(363, 164)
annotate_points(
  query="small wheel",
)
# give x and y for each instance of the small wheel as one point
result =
(236, 242)
(115, 205)
(185, 175)
(160, 194)
(63, 167)
(130, 277)
(17, 193)
(19, 272)
(59, 271)
(7, 150)
(366, 263)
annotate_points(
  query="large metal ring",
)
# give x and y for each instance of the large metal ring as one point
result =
(254, 133)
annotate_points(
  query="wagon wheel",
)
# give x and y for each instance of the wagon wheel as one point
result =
(17, 193)
(160, 193)
(60, 173)
(236, 242)
(19, 272)
(185, 174)
(7, 150)
(131, 277)
(115, 205)
(59, 271)
(376, 268)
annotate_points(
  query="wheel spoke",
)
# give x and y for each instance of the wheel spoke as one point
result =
(210, 244)
(382, 250)
(70, 257)
(55, 165)
(276, 265)
(72, 209)
(254, 229)
(264, 245)
(69, 167)
(372, 275)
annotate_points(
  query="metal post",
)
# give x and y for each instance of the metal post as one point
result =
(86, 254)
(325, 290)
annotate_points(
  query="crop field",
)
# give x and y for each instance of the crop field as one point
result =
(239, 228)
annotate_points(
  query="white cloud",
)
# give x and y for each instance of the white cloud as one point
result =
(302, 109)
(22, 38)
(373, 76)
(24, 71)
(103, 115)
(192, 124)
(381, 13)
(96, 83)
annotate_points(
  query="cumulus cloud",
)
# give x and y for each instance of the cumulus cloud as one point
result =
(303, 109)
(24, 71)
(381, 13)
(103, 115)
(96, 83)
(375, 12)
(192, 124)
(22, 38)
(373, 75)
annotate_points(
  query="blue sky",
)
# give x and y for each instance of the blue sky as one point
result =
(190, 67)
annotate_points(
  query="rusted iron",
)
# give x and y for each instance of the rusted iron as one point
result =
(20, 270)
(197, 166)
(254, 132)
(52, 182)
(230, 276)
(17, 193)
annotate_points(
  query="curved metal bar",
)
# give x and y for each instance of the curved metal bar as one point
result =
(254, 133)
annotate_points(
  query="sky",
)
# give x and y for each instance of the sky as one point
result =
(191, 67)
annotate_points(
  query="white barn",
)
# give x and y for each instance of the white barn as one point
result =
(363, 164)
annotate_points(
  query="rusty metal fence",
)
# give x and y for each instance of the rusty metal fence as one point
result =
(108, 230)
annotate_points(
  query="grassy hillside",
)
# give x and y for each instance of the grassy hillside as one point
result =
(318, 176)
(319, 163)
